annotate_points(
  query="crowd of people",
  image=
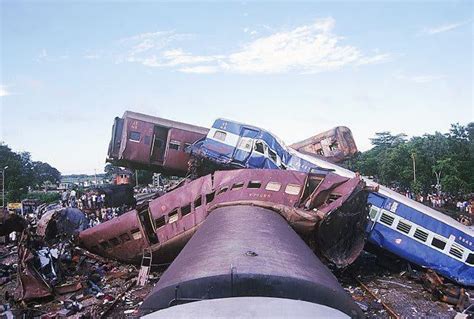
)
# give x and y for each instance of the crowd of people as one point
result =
(442, 201)
(92, 204)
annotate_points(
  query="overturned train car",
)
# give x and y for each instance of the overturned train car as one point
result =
(241, 259)
(336, 145)
(148, 142)
(327, 210)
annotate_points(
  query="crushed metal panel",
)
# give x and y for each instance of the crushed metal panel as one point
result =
(30, 284)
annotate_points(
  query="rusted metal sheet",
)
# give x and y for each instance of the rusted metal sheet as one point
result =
(336, 144)
(310, 203)
(247, 251)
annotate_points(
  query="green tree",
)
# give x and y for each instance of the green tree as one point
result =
(22, 173)
(447, 159)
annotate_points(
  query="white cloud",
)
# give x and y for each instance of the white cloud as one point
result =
(4, 91)
(442, 28)
(306, 49)
(418, 78)
(145, 47)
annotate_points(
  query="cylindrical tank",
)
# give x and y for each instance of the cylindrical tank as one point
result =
(247, 251)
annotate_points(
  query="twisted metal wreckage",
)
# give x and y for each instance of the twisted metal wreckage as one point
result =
(209, 227)
(328, 211)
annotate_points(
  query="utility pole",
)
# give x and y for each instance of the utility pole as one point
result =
(95, 176)
(136, 177)
(414, 167)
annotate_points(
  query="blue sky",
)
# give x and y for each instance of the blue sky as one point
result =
(294, 68)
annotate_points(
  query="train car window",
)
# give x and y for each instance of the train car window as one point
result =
(333, 197)
(292, 189)
(373, 212)
(124, 237)
(333, 146)
(219, 135)
(470, 259)
(223, 190)
(210, 197)
(420, 235)
(173, 216)
(136, 234)
(160, 222)
(174, 145)
(185, 210)
(198, 202)
(104, 245)
(272, 155)
(115, 241)
(245, 144)
(438, 243)
(237, 186)
(258, 147)
(273, 186)
(386, 219)
(403, 227)
(456, 251)
(254, 184)
(134, 136)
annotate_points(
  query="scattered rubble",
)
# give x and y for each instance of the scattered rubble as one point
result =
(386, 287)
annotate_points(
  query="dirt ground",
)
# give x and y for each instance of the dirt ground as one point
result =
(387, 279)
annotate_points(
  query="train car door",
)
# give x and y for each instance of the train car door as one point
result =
(244, 145)
(146, 221)
(158, 147)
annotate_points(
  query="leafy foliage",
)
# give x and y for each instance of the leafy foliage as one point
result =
(23, 173)
(447, 159)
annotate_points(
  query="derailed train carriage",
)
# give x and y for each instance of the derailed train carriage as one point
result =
(244, 251)
(148, 142)
(398, 224)
(327, 210)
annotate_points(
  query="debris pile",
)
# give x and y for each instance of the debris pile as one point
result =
(46, 275)
(385, 287)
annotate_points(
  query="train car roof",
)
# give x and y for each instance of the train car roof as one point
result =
(390, 193)
(165, 122)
